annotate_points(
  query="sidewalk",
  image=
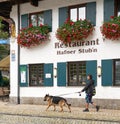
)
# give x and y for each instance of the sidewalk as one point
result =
(39, 111)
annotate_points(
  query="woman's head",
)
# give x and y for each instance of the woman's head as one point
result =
(89, 76)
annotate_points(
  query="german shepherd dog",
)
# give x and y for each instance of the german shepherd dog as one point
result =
(55, 100)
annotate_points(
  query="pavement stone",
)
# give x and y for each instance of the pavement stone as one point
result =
(36, 114)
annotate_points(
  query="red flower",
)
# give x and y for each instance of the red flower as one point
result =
(112, 17)
(41, 25)
(71, 23)
(30, 25)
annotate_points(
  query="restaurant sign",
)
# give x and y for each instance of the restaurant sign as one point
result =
(79, 45)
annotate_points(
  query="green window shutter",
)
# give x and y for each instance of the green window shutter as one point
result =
(91, 68)
(24, 21)
(48, 18)
(108, 9)
(91, 12)
(23, 76)
(107, 69)
(48, 71)
(63, 15)
(61, 74)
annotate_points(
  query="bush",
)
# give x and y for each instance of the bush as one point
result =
(6, 82)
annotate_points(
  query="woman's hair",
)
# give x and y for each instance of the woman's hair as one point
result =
(90, 76)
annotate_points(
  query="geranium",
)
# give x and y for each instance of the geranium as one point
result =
(33, 35)
(74, 31)
(111, 29)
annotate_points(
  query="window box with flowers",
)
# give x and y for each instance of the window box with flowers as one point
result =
(74, 31)
(111, 29)
(33, 35)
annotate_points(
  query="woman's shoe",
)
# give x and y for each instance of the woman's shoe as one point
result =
(86, 110)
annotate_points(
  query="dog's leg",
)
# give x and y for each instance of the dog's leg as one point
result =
(61, 108)
(54, 107)
(48, 107)
(61, 104)
(69, 108)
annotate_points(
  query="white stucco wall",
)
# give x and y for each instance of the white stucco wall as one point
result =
(46, 53)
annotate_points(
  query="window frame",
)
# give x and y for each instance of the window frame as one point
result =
(76, 6)
(30, 84)
(35, 13)
(114, 72)
(68, 73)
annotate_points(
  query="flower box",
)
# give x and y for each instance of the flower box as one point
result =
(33, 36)
(74, 31)
(111, 29)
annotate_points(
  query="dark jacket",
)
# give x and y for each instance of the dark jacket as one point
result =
(89, 87)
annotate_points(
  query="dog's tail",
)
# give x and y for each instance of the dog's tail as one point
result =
(68, 104)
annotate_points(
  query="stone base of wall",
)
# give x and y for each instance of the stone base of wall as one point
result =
(104, 103)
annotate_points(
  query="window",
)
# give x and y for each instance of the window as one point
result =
(77, 12)
(116, 72)
(36, 74)
(76, 73)
(44, 17)
(36, 19)
(117, 7)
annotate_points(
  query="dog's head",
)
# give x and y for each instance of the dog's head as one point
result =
(46, 97)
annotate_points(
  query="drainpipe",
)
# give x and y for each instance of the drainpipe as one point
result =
(18, 13)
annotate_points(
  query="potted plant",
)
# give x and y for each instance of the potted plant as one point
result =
(111, 29)
(33, 35)
(74, 31)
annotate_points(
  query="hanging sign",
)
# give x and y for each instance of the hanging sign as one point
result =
(23, 76)
(4, 41)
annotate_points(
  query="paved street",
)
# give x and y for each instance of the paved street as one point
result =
(14, 119)
(36, 114)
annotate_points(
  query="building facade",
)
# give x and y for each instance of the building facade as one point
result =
(57, 69)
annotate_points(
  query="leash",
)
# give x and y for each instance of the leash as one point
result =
(68, 94)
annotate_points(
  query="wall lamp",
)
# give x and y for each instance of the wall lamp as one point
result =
(99, 72)
(55, 72)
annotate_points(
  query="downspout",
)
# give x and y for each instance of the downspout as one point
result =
(18, 93)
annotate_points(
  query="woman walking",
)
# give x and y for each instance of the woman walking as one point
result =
(90, 90)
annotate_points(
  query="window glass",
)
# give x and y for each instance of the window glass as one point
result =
(82, 12)
(77, 12)
(36, 19)
(76, 73)
(117, 72)
(36, 73)
(73, 14)
(119, 8)
(40, 19)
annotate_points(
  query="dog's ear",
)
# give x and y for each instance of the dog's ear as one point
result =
(47, 94)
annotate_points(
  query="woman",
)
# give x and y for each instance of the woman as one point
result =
(89, 93)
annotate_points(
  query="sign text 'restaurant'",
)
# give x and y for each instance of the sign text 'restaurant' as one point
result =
(77, 44)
